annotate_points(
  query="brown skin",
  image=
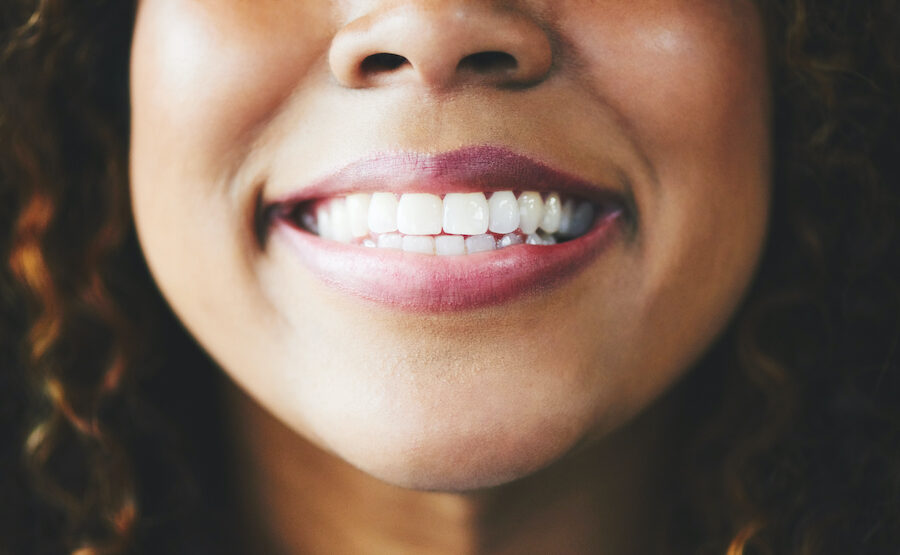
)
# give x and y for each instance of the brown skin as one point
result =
(231, 100)
(297, 498)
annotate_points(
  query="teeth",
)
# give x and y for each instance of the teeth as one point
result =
(419, 214)
(504, 212)
(340, 221)
(450, 245)
(465, 213)
(565, 218)
(536, 239)
(509, 240)
(531, 212)
(422, 244)
(358, 212)
(480, 243)
(390, 241)
(552, 213)
(323, 221)
(383, 213)
(458, 224)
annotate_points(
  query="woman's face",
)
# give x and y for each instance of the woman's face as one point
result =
(463, 371)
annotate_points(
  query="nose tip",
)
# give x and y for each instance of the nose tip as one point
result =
(441, 47)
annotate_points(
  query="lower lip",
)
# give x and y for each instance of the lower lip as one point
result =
(431, 283)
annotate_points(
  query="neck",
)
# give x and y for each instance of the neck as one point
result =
(297, 498)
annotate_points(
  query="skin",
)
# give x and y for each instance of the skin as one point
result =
(233, 100)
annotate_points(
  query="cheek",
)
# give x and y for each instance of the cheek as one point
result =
(204, 77)
(689, 80)
(687, 76)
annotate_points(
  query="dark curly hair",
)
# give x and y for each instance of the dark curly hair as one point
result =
(791, 430)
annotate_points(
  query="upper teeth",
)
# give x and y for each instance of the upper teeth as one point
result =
(391, 221)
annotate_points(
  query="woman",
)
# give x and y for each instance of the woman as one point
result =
(485, 277)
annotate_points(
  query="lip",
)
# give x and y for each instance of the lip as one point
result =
(469, 169)
(424, 283)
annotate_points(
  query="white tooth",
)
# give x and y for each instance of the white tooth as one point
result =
(510, 240)
(390, 241)
(549, 239)
(340, 221)
(552, 213)
(565, 218)
(534, 239)
(423, 244)
(531, 212)
(480, 243)
(358, 212)
(465, 213)
(582, 219)
(369, 243)
(504, 211)
(383, 213)
(323, 221)
(450, 245)
(419, 214)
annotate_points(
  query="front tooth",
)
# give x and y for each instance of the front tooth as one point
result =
(390, 241)
(480, 243)
(531, 211)
(449, 245)
(340, 221)
(419, 214)
(504, 212)
(383, 213)
(510, 240)
(323, 221)
(552, 213)
(465, 213)
(565, 218)
(423, 244)
(358, 212)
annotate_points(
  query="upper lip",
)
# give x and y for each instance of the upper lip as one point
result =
(470, 169)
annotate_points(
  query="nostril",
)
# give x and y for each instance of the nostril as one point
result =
(488, 62)
(441, 46)
(382, 62)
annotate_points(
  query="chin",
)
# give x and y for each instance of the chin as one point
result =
(445, 452)
(459, 464)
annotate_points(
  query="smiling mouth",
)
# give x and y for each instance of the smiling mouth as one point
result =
(449, 225)
(373, 229)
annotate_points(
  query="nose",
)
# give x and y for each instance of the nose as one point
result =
(441, 45)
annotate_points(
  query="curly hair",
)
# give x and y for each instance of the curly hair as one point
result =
(792, 424)
(82, 329)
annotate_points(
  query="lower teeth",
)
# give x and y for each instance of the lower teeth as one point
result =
(454, 245)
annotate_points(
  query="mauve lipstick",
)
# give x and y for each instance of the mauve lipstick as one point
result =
(423, 283)
(469, 169)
